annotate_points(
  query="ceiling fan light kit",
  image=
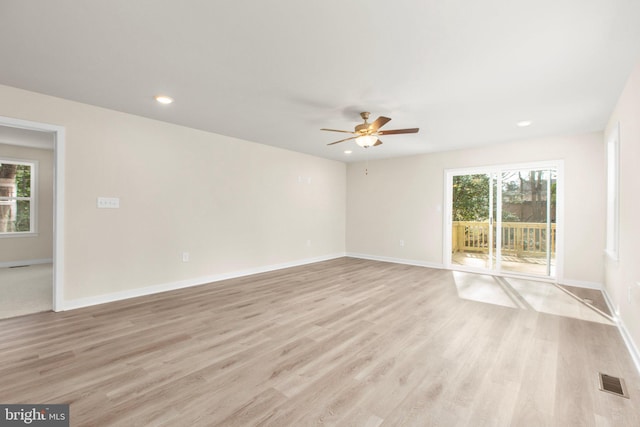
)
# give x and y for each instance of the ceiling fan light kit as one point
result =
(366, 141)
(366, 134)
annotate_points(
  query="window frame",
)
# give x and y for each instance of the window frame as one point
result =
(33, 199)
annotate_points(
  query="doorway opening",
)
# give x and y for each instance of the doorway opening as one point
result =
(504, 219)
(17, 132)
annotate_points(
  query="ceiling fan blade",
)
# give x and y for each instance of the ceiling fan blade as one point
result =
(396, 131)
(336, 130)
(378, 142)
(379, 122)
(342, 140)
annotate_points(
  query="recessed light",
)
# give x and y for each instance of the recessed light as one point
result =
(163, 99)
(348, 151)
(524, 123)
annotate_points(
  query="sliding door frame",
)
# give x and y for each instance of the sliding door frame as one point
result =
(447, 255)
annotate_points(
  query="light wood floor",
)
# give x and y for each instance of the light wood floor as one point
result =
(342, 342)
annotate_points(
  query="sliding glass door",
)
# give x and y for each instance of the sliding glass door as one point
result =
(528, 226)
(472, 236)
(504, 219)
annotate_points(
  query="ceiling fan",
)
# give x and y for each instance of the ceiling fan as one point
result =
(366, 134)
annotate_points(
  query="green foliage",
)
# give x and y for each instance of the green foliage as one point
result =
(23, 216)
(15, 211)
(23, 181)
(524, 196)
(471, 197)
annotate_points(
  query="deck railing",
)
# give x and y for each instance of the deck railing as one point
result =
(518, 238)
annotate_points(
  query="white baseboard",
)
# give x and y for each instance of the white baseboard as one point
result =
(631, 345)
(149, 290)
(624, 332)
(395, 260)
(25, 262)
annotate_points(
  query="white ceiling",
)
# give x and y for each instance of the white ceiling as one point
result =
(275, 72)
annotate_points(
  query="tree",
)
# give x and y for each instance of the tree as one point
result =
(524, 195)
(15, 181)
(7, 184)
(471, 197)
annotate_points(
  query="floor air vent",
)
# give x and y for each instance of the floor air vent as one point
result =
(612, 385)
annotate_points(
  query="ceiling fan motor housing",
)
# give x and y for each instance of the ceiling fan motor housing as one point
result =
(363, 128)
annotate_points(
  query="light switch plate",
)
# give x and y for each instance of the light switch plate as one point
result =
(108, 203)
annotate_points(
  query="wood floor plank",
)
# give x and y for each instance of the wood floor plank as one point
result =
(343, 342)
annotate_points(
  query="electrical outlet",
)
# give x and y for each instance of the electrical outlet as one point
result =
(309, 242)
(401, 243)
(185, 256)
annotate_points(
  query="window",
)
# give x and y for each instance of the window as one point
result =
(613, 147)
(17, 197)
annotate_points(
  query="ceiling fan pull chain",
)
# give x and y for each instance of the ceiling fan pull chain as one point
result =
(366, 167)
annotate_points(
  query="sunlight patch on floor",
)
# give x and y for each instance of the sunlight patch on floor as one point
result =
(524, 294)
(481, 288)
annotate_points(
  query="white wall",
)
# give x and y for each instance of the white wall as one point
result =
(15, 250)
(403, 199)
(623, 276)
(235, 206)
